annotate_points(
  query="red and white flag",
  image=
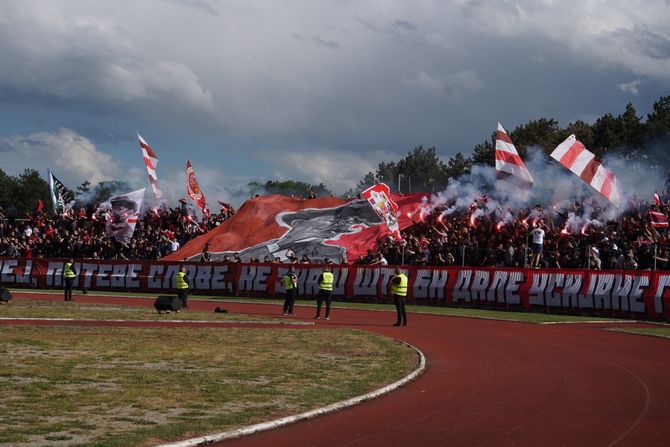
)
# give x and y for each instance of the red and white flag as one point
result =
(150, 160)
(657, 199)
(509, 165)
(573, 155)
(658, 219)
(193, 189)
(379, 196)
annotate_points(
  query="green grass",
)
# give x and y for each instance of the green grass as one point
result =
(29, 308)
(518, 316)
(101, 386)
(656, 331)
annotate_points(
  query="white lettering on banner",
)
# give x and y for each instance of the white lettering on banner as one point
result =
(118, 278)
(132, 280)
(7, 271)
(154, 278)
(102, 278)
(571, 288)
(203, 277)
(340, 281)
(585, 301)
(385, 274)
(26, 277)
(279, 281)
(552, 298)
(513, 285)
(438, 284)
(170, 277)
(636, 301)
(479, 285)
(537, 288)
(602, 292)
(663, 283)
(422, 283)
(621, 291)
(254, 278)
(496, 291)
(86, 273)
(462, 287)
(219, 278)
(310, 284)
(366, 282)
(54, 272)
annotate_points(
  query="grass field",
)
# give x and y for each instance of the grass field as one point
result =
(526, 317)
(28, 308)
(656, 331)
(100, 386)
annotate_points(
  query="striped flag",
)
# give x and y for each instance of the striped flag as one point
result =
(658, 220)
(379, 197)
(150, 160)
(657, 199)
(509, 165)
(573, 155)
(193, 189)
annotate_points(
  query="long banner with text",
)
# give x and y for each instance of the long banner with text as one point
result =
(631, 294)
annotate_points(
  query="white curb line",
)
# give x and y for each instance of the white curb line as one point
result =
(337, 406)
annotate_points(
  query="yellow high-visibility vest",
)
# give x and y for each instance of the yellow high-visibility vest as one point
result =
(288, 281)
(181, 282)
(400, 289)
(67, 270)
(327, 283)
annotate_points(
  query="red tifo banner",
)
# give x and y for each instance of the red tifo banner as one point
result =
(636, 294)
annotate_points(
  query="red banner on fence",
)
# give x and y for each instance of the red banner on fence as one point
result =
(610, 293)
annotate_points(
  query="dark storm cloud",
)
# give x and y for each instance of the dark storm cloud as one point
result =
(355, 78)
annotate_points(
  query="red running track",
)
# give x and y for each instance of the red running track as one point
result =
(492, 383)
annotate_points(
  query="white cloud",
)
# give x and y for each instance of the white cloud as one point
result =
(339, 170)
(72, 157)
(630, 87)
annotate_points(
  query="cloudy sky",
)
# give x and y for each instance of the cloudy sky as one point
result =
(305, 89)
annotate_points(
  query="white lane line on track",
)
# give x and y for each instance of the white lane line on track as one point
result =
(337, 406)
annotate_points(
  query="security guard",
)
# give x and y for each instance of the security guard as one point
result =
(291, 286)
(325, 292)
(182, 285)
(69, 274)
(399, 283)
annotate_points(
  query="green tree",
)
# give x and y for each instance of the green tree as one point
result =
(543, 132)
(289, 188)
(458, 165)
(484, 153)
(658, 121)
(26, 190)
(582, 131)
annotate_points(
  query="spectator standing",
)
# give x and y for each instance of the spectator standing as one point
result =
(399, 283)
(537, 245)
(69, 274)
(291, 285)
(182, 285)
(325, 292)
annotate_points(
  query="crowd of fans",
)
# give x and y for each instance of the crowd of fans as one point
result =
(576, 235)
(82, 234)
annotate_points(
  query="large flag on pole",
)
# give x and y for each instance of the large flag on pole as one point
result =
(573, 155)
(379, 197)
(60, 195)
(193, 189)
(151, 161)
(123, 211)
(509, 165)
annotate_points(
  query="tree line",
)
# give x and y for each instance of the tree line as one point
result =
(641, 142)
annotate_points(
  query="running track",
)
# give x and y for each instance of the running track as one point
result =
(491, 383)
